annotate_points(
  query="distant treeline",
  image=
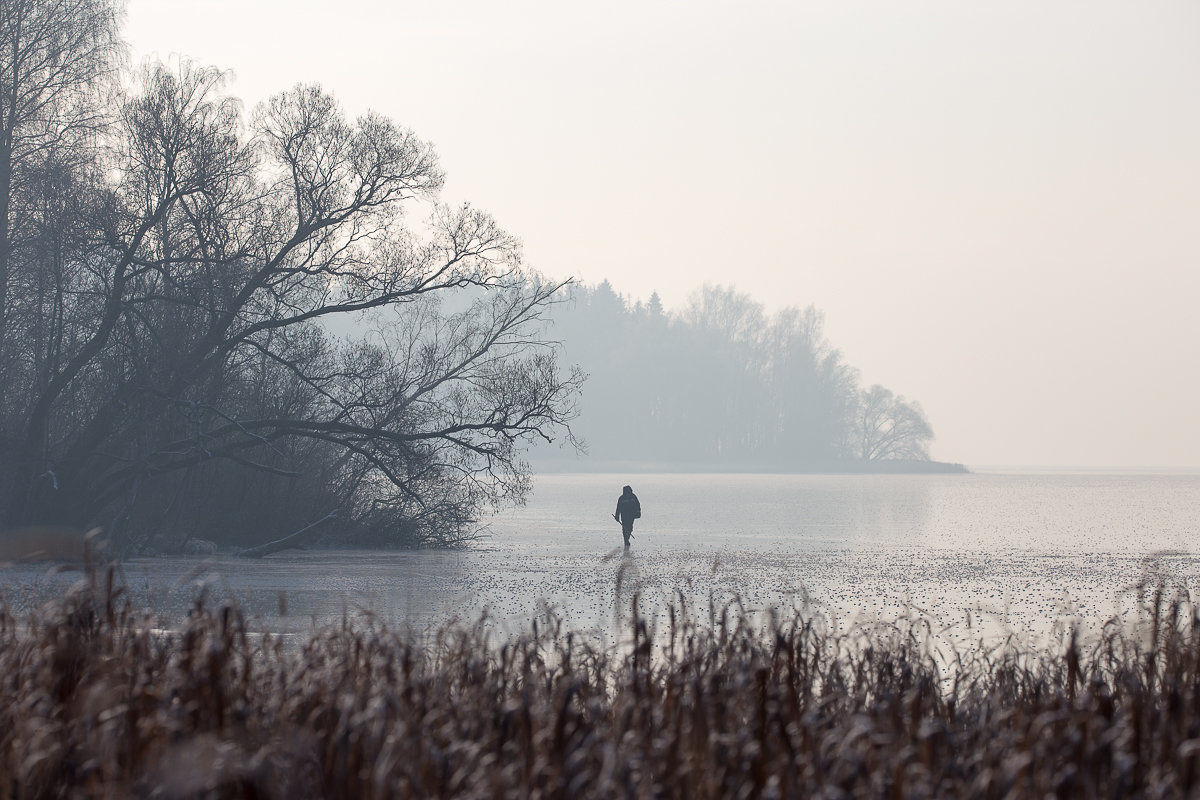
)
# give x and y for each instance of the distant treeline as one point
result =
(721, 384)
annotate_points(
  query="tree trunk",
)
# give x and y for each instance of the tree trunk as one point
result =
(6, 168)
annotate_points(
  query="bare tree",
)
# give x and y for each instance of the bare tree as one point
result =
(218, 265)
(889, 427)
(56, 59)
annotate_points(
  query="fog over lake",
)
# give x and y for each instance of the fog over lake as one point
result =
(1018, 551)
(994, 203)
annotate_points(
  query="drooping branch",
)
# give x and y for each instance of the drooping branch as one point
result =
(298, 539)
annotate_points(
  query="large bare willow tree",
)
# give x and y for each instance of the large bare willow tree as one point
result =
(249, 324)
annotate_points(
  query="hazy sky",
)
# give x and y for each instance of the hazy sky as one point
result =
(996, 205)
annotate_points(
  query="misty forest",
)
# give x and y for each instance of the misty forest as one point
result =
(236, 324)
(720, 386)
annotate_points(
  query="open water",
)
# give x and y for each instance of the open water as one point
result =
(1001, 552)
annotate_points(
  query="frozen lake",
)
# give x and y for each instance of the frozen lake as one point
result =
(1007, 550)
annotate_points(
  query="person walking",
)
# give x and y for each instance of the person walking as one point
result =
(628, 509)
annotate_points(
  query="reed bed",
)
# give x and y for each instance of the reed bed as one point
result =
(97, 702)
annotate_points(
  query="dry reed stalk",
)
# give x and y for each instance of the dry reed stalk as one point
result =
(97, 703)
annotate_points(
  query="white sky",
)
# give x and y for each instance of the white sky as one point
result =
(997, 205)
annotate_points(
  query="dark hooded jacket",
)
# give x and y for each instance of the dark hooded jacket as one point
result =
(628, 507)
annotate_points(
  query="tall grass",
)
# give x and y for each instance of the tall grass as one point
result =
(98, 703)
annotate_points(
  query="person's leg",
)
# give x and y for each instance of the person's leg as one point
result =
(626, 529)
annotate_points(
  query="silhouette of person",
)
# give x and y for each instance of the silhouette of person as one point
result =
(628, 509)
